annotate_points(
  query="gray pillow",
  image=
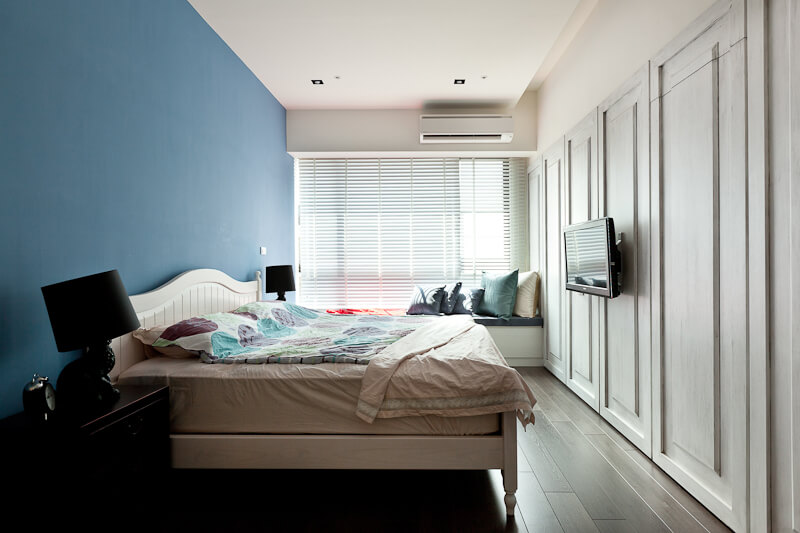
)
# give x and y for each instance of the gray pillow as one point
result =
(426, 301)
(451, 293)
(500, 294)
(467, 302)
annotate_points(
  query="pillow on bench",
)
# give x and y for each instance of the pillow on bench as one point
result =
(426, 300)
(499, 294)
(527, 303)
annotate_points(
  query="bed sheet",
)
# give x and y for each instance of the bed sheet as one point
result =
(282, 399)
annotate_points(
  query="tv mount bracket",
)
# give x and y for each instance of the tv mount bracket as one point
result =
(620, 237)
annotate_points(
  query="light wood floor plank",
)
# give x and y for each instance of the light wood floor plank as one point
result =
(692, 506)
(587, 419)
(578, 470)
(571, 514)
(611, 446)
(618, 490)
(615, 526)
(676, 517)
(522, 461)
(547, 472)
(570, 404)
(543, 400)
(534, 507)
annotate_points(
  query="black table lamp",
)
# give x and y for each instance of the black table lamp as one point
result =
(85, 314)
(279, 278)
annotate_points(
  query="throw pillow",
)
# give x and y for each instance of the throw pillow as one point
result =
(451, 293)
(148, 336)
(527, 294)
(500, 294)
(467, 302)
(426, 301)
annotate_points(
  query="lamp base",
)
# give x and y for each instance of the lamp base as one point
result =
(84, 388)
(282, 295)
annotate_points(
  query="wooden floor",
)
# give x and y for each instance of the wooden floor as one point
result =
(576, 474)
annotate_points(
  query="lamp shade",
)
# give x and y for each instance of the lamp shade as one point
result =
(88, 311)
(279, 278)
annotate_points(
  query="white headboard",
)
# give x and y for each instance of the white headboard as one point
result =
(195, 292)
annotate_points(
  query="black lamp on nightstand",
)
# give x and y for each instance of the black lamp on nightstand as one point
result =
(85, 314)
(279, 278)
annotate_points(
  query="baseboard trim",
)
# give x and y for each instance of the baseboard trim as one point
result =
(525, 361)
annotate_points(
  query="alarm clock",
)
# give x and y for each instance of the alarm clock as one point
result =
(39, 399)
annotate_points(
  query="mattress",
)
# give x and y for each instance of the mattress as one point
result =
(281, 399)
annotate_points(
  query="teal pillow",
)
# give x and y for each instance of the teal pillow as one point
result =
(499, 294)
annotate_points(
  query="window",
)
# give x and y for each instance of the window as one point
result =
(371, 229)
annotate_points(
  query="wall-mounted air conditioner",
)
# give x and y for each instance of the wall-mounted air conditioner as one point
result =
(466, 128)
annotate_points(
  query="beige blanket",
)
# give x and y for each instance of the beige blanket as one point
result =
(450, 367)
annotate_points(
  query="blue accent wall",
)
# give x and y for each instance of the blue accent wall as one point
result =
(131, 137)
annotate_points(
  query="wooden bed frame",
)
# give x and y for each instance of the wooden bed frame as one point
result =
(209, 291)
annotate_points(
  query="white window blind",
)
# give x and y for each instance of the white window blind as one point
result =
(372, 229)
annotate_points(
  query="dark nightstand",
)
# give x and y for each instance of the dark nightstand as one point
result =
(103, 459)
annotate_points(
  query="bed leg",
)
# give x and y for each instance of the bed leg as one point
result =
(510, 461)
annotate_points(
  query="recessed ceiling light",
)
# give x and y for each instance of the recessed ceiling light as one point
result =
(317, 82)
(459, 82)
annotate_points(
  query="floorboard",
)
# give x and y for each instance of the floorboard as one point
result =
(571, 515)
(695, 508)
(541, 463)
(579, 470)
(615, 526)
(674, 515)
(649, 500)
(587, 419)
(534, 506)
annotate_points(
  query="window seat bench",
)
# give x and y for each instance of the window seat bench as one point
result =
(520, 339)
(515, 321)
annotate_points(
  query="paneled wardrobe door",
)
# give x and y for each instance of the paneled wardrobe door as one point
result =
(699, 261)
(553, 282)
(581, 346)
(624, 190)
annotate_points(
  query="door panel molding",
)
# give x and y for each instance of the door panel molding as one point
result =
(699, 261)
(624, 194)
(552, 168)
(580, 310)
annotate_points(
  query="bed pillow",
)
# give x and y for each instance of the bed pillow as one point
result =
(499, 294)
(467, 301)
(147, 336)
(527, 303)
(426, 301)
(214, 335)
(451, 293)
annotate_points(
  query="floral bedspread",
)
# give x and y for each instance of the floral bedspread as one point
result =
(281, 332)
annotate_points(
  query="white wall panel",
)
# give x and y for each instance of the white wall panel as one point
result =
(624, 174)
(553, 284)
(700, 261)
(580, 310)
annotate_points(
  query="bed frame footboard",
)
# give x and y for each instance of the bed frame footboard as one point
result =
(375, 452)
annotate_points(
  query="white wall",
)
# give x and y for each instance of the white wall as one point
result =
(341, 133)
(618, 37)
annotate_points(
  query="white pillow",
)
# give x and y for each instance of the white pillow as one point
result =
(527, 303)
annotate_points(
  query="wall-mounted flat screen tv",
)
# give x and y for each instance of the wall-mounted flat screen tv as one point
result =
(592, 258)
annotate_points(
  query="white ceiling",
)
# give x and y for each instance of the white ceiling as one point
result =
(393, 54)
